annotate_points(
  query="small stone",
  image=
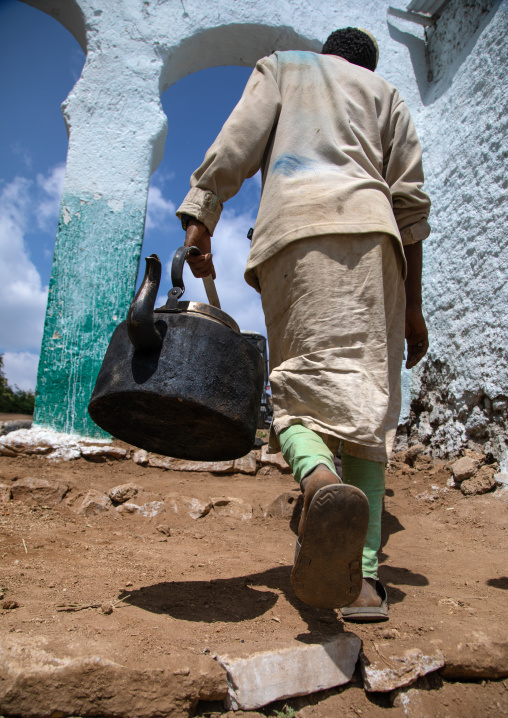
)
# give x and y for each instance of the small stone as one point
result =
(163, 529)
(39, 491)
(482, 482)
(148, 510)
(106, 609)
(235, 508)
(195, 508)
(124, 492)
(283, 506)
(389, 634)
(412, 453)
(247, 464)
(5, 493)
(273, 459)
(294, 671)
(102, 453)
(94, 503)
(9, 605)
(387, 666)
(140, 457)
(475, 455)
(464, 468)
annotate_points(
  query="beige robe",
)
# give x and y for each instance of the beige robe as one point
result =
(341, 194)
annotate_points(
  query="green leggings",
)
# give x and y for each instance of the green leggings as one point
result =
(304, 449)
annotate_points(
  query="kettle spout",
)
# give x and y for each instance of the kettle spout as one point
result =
(140, 324)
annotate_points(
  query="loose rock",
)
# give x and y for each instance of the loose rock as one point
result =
(140, 457)
(196, 508)
(166, 462)
(163, 529)
(412, 453)
(464, 468)
(149, 510)
(387, 666)
(39, 491)
(482, 482)
(235, 508)
(10, 605)
(275, 675)
(479, 656)
(106, 609)
(94, 503)
(124, 492)
(283, 506)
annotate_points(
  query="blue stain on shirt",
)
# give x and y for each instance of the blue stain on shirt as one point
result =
(288, 165)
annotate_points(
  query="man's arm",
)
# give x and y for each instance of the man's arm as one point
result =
(236, 154)
(416, 330)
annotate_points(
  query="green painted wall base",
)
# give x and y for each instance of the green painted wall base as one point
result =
(92, 284)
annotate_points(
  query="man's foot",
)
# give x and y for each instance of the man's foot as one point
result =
(327, 572)
(371, 605)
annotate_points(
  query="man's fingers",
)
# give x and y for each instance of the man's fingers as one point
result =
(415, 352)
(201, 265)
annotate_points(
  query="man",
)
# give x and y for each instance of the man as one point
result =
(339, 230)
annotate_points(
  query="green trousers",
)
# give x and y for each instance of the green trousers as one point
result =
(303, 449)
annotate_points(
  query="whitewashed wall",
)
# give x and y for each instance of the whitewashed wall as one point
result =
(460, 396)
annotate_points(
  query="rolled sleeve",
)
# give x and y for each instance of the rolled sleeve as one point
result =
(203, 205)
(415, 233)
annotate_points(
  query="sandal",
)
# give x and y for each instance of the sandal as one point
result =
(368, 614)
(327, 572)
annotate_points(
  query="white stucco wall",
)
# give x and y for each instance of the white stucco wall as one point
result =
(461, 392)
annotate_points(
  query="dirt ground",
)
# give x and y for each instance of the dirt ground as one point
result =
(221, 584)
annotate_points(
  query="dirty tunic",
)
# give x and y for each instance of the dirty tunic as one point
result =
(338, 152)
(341, 193)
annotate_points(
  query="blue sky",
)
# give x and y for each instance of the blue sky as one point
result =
(39, 63)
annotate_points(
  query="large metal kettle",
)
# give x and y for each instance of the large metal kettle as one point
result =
(180, 380)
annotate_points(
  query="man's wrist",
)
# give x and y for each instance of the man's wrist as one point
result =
(185, 219)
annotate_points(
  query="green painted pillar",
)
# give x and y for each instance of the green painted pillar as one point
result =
(117, 131)
(92, 284)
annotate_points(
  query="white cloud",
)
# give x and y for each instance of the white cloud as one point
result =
(230, 248)
(48, 205)
(20, 369)
(158, 209)
(22, 296)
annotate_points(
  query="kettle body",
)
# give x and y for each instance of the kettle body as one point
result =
(180, 380)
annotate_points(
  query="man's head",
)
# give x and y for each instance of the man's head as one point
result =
(355, 45)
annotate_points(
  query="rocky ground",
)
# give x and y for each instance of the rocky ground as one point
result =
(115, 603)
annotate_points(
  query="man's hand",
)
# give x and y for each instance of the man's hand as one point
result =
(416, 336)
(197, 235)
(416, 329)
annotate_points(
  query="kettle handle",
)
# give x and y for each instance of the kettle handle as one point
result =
(177, 266)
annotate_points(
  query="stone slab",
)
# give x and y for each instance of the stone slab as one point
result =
(247, 464)
(273, 459)
(39, 491)
(35, 682)
(479, 656)
(390, 665)
(269, 676)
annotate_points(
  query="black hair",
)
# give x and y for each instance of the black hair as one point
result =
(353, 45)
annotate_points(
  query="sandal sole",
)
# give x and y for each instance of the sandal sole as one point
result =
(328, 568)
